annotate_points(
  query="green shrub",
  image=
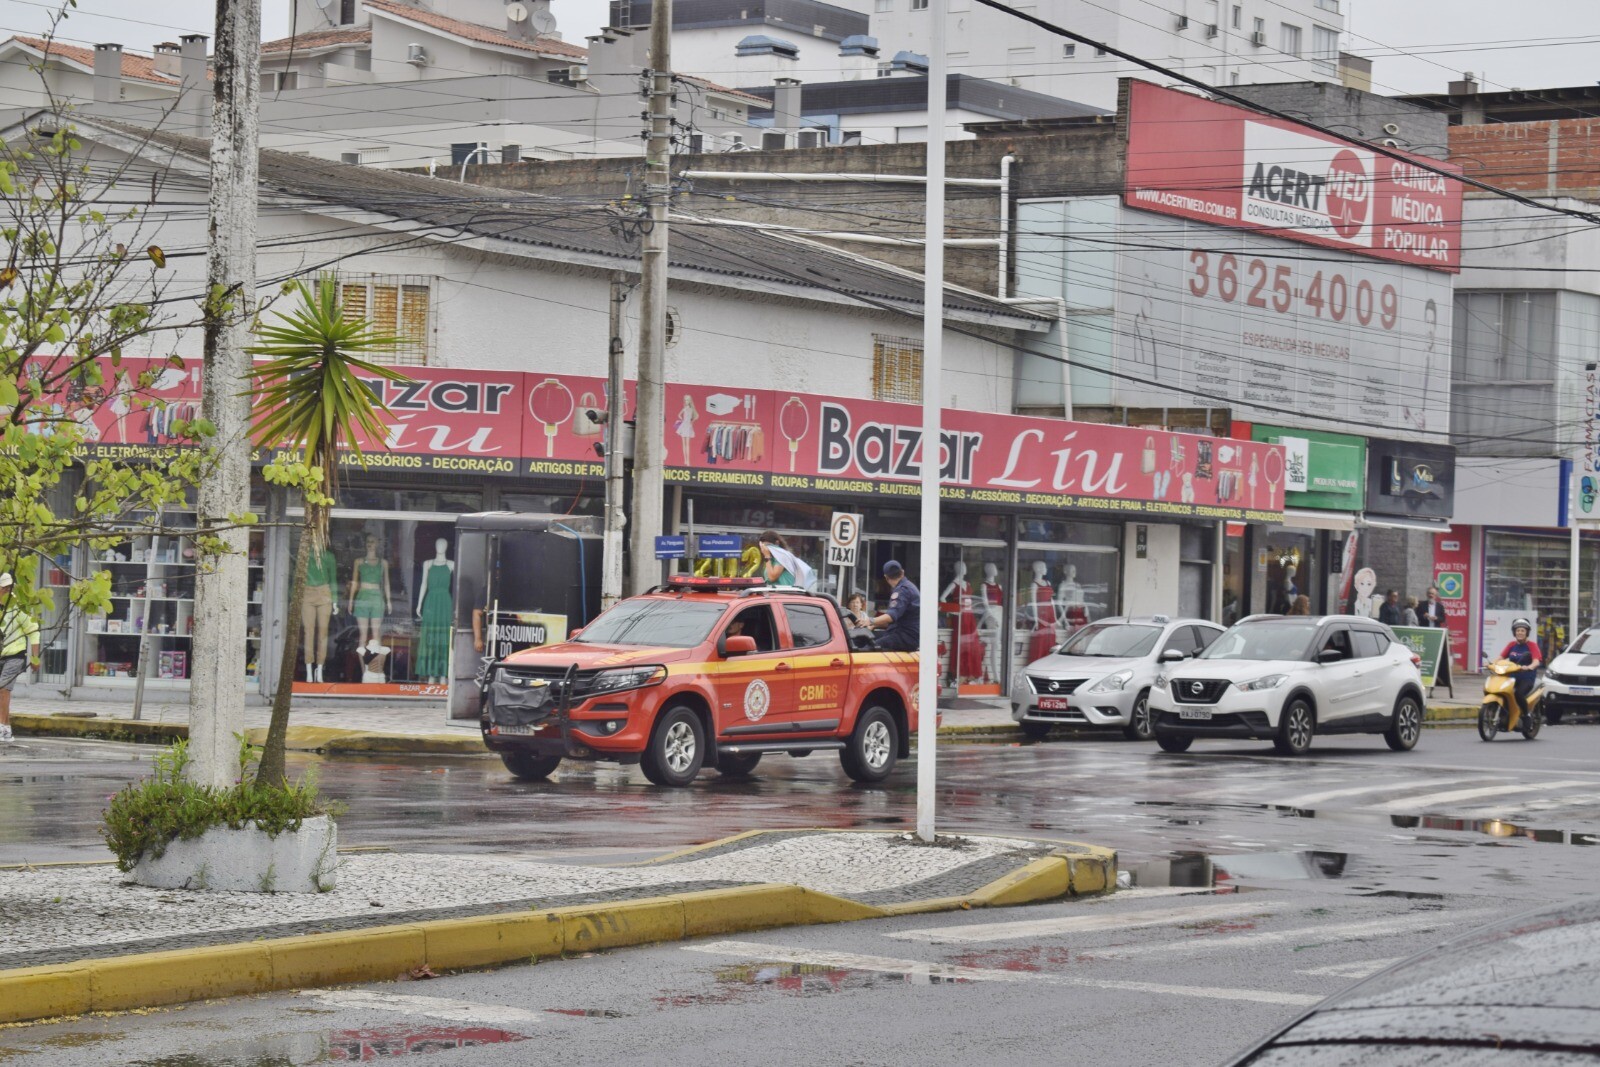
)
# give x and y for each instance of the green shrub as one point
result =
(148, 815)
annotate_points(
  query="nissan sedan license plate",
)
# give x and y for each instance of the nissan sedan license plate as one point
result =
(1194, 713)
(1054, 704)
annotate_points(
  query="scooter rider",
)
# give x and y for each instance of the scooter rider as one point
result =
(1524, 652)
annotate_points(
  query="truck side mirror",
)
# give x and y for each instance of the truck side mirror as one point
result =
(738, 645)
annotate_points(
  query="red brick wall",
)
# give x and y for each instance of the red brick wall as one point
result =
(1537, 158)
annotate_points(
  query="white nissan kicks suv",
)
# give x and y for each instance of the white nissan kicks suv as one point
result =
(1286, 678)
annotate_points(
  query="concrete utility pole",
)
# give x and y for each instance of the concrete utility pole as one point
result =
(217, 660)
(649, 429)
(932, 375)
(616, 520)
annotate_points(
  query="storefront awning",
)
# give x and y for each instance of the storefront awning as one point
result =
(1311, 519)
(1423, 525)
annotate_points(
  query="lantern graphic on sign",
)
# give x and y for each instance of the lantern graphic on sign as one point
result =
(552, 404)
(1272, 467)
(793, 422)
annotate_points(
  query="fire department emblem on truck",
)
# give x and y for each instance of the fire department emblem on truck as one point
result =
(757, 699)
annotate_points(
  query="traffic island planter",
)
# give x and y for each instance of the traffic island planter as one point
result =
(247, 860)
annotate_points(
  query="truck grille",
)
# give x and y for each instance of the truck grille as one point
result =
(1198, 690)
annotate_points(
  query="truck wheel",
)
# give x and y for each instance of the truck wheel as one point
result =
(1552, 711)
(676, 750)
(873, 747)
(529, 766)
(737, 766)
(1035, 731)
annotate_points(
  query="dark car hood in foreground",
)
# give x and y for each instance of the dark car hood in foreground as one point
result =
(1522, 991)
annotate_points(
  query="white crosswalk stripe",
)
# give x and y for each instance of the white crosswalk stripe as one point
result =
(1308, 800)
(457, 1011)
(1331, 932)
(1081, 924)
(1432, 801)
(936, 972)
(1363, 969)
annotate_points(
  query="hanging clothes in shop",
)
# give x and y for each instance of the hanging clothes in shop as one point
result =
(726, 442)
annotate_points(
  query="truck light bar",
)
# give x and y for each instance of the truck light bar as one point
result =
(690, 581)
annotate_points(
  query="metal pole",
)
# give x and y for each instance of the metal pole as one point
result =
(649, 402)
(1574, 561)
(144, 626)
(616, 520)
(932, 373)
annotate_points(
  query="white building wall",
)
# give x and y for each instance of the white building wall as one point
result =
(1150, 585)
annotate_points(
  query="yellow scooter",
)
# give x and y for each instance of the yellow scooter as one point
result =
(1501, 709)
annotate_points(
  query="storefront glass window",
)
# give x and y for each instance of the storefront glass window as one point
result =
(1528, 575)
(1291, 563)
(1060, 588)
(377, 616)
(972, 606)
(1196, 547)
(152, 590)
(1233, 575)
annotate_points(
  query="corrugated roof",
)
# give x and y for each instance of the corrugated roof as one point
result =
(447, 209)
(135, 66)
(306, 42)
(471, 31)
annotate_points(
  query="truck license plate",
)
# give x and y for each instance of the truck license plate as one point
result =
(518, 729)
(1194, 713)
(1054, 704)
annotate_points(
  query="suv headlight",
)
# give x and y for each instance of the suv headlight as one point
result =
(1112, 683)
(1553, 676)
(611, 681)
(1271, 681)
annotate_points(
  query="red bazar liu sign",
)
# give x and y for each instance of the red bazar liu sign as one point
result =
(1228, 166)
(766, 440)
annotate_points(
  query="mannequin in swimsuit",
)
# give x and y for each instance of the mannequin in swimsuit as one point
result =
(369, 595)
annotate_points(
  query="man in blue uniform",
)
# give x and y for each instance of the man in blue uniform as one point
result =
(902, 622)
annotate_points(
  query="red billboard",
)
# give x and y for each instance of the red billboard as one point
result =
(763, 440)
(1228, 166)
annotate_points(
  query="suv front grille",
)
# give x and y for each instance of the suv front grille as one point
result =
(1198, 690)
(1054, 687)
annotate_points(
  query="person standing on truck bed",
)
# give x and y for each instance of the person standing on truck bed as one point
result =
(902, 622)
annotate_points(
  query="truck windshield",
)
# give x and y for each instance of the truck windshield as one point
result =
(663, 623)
(1277, 639)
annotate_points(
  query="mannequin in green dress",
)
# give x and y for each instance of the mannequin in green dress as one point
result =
(370, 601)
(434, 611)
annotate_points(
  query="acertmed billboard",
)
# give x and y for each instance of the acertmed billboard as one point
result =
(1228, 166)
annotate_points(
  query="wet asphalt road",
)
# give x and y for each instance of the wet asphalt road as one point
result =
(1345, 859)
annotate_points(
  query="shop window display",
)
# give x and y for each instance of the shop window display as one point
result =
(379, 609)
(971, 609)
(1059, 590)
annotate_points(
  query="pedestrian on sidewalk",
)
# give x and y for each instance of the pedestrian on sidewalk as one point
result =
(1389, 611)
(1432, 612)
(19, 647)
(1408, 614)
(902, 622)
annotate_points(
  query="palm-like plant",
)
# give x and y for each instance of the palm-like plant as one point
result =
(311, 402)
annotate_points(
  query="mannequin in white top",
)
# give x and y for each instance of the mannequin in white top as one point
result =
(993, 618)
(958, 584)
(1069, 592)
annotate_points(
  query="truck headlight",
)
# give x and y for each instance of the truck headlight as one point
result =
(611, 681)
(1112, 683)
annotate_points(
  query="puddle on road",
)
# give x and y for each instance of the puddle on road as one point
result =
(1200, 870)
(337, 1046)
(589, 1013)
(1494, 828)
(743, 982)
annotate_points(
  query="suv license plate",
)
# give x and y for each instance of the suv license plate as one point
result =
(1581, 690)
(1054, 704)
(1194, 713)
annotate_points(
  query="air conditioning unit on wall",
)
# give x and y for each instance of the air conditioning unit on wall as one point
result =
(1258, 39)
(1183, 22)
(416, 55)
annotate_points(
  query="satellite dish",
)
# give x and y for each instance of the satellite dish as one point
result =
(325, 4)
(517, 12)
(543, 21)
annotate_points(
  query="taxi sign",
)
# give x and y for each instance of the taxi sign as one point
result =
(844, 538)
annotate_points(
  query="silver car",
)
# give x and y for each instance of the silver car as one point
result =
(1101, 675)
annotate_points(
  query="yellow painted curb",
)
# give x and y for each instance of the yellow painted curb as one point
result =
(329, 740)
(385, 953)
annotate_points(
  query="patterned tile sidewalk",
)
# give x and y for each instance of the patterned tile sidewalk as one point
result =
(62, 913)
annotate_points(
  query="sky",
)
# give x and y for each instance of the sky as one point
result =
(1417, 45)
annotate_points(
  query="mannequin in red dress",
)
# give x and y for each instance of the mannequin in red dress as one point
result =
(1044, 613)
(994, 598)
(969, 648)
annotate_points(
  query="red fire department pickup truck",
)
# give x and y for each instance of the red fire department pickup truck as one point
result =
(704, 671)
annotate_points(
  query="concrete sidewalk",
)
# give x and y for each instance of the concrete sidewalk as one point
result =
(83, 937)
(359, 727)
